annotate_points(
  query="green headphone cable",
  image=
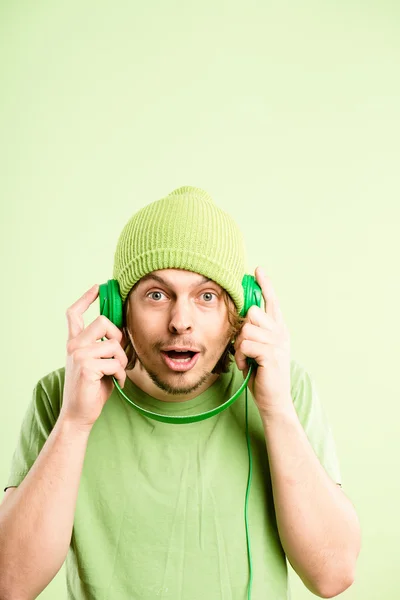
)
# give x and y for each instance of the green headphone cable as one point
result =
(246, 504)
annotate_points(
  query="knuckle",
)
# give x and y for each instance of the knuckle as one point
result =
(246, 329)
(70, 346)
(115, 343)
(70, 313)
(118, 346)
(103, 320)
(123, 359)
(86, 372)
(77, 355)
(253, 309)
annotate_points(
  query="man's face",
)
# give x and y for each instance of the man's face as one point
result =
(174, 308)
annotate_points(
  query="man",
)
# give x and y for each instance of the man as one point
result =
(144, 509)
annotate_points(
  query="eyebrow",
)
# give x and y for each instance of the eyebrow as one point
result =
(164, 282)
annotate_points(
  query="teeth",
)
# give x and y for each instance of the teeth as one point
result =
(182, 359)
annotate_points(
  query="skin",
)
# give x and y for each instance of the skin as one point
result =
(179, 312)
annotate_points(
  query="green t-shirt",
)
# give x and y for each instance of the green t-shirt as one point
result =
(160, 507)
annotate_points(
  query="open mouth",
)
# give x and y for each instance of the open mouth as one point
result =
(180, 361)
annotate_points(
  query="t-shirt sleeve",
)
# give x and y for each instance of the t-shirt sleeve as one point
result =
(39, 419)
(314, 420)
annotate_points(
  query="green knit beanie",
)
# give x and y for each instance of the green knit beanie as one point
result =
(184, 230)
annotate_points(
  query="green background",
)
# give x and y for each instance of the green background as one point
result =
(288, 114)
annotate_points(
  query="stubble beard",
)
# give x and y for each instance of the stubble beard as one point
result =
(177, 389)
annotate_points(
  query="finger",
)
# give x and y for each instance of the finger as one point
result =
(255, 334)
(107, 349)
(271, 303)
(75, 311)
(99, 328)
(257, 317)
(110, 367)
(250, 349)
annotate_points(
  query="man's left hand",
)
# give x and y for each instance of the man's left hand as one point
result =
(265, 337)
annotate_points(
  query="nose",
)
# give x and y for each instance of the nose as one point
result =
(181, 320)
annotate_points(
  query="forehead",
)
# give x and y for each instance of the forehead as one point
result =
(173, 277)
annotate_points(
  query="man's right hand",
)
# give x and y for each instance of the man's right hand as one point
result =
(86, 390)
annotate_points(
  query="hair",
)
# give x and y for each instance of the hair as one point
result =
(223, 364)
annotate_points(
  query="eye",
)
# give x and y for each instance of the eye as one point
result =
(151, 293)
(209, 294)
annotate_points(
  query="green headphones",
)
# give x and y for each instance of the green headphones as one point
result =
(111, 307)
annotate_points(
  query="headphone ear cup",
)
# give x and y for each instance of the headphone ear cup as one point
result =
(111, 302)
(252, 293)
